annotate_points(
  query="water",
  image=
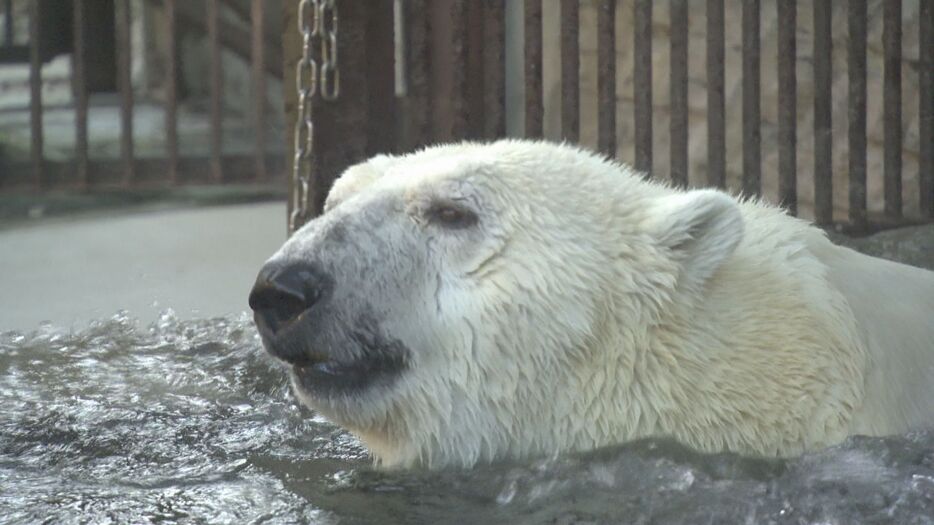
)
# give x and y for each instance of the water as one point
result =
(190, 421)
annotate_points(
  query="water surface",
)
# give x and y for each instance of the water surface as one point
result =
(190, 421)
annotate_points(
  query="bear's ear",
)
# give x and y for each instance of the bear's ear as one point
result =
(355, 179)
(701, 229)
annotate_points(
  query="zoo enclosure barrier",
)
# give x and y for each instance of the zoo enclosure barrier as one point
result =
(103, 45)
(416, 72)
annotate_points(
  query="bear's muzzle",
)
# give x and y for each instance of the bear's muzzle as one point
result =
(294, 312)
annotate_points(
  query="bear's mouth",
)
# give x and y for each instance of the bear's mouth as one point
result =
(351, 362)
(324, 376)
(328, 356)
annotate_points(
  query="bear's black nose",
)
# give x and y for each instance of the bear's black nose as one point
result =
(284, 291)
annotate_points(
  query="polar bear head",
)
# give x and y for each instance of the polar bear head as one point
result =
(452, 305)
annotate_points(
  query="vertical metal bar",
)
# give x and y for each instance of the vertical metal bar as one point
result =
(441, 57)
(259, 87)
(79, 81)
(752, 140)
(35, 94)
(856, 68)
(399, 35)
(346, 117)
(217, 88)
(716, 101)
(678, 125)
(606, 77)
(125, 86)
(823, 131)
(8, 23)
(892, 102)
(642, 84)
(447, 49)
(494, 69)
(171, 90)
(787, 106)
(469, 22)
(570, 70)
(380, 79)
(534, 101)
(416, 105)
(291, 53)
(926, 108)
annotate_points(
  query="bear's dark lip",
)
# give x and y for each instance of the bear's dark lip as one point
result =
(325, 376)
(325, 365)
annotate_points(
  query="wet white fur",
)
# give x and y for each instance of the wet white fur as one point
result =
(601, 308)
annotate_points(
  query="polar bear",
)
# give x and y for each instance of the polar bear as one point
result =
(478, 302)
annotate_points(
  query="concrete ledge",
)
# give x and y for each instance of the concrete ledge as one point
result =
(19, 209)
(201, 262)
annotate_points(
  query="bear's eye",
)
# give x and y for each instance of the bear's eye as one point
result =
(451, 215)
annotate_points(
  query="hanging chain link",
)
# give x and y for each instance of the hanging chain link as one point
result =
(330, 75)
(317, 19)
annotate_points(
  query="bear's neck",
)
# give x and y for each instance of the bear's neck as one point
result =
(756, 373)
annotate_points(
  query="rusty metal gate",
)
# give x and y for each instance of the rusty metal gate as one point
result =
(93, 39)
(439, 73)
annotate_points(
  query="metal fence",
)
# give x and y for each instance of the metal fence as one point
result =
(129, 169)
(450, 77)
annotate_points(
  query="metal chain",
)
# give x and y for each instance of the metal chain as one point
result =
(317, 19)
(330, 75)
